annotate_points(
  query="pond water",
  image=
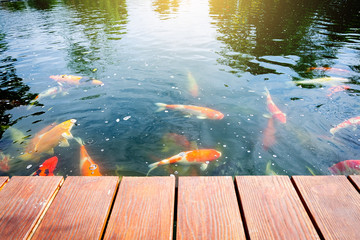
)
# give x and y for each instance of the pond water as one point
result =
(219, 54)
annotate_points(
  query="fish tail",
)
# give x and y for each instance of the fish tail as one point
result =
(152, 167)
(79, 140)
(333, 131)
(162, 107)
(266, 91)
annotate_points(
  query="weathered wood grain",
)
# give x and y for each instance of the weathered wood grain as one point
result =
(143, 209)
(80, 209)
(3, 181)
(334, 204)
(356, 180)
(208, 209)
(22, 203)
(272, 208)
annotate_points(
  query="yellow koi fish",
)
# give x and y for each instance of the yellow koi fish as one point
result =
(324, 80)
(199, 112)
(48, 138)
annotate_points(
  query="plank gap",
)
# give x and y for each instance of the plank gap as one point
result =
(307, 210)
(241, 208)
(354, 183)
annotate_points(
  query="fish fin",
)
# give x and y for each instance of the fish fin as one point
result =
(266, 91)
(152, 167)
(51, 151)
(203, 166)
(311, 171)
(79, 140)
(193, 145)
(201, 117)
(53, 96)
(64, 143)
(67, 135)
(268, 170)
(266, 115)
(162, 107)
(188, 116)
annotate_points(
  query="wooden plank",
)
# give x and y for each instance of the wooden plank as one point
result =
(356, 180)
(272, 208)
(23, 201)
(3, 181)
(208, 209)
(143, 209)
(80, 209)
(334, 204)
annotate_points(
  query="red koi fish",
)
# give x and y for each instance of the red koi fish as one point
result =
(199, 112)
(193, 86)
(328, 69)
(74, 80)
(336, 89)
(47, 168)
(4, 162)
(273, 109)
(346, 167)
(87, 166)
(269, 135)
(200, 156)
(347, 123)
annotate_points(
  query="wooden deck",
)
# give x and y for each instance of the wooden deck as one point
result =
(244, 207)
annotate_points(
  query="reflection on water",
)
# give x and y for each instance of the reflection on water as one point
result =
(218, 54)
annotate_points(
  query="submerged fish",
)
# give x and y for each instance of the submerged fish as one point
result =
(200, 156)
(48, 92)
(173, 141)
(47, 168)
(193, 86)
(336, 89)
(328, 69)
(74, 80)
(4, 162)
(269, 134)
(48, 138)
(273, 109)
(17, 136)
(199, 112)
(87, 166)
(347, 123)
(346, 167)
(323, 80)
(268, 170)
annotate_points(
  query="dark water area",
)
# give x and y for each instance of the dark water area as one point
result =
(211, 53)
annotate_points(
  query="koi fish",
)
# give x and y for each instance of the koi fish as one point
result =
(74, 80)
(273, 109)
(4, 162)
(199, 112)
(17, 136)
(193, 86)
(200, 156)
(328, 69)
(49, 92)
(346, 167)
(347, 123)
(48, 138)
(87, 166)
(174, 140)
(324, 80)
(269, 135)
(336, 89)
(47, 168)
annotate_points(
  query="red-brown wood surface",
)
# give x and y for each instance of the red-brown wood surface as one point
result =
(143, 209)
(208, 209)
(80, 209)
(272, 208)
(356, 179)
(334, 204)
(22, 203)
(3, 181)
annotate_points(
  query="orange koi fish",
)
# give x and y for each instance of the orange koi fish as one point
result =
(200, 156)
(328, 69)
(48, 138)
(74, 80)
(193, 86)
(87, 166)
(199, 112)
(47, 168)
(273, 109)
(336, 89)
(347, 167)
(4, 162)
(347, 123)
(269, 135)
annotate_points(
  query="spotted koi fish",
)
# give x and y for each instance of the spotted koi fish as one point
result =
(199, 112)
(47, 168)
(347, 123)
(200, 156)
(273, 109)
(74, 80)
